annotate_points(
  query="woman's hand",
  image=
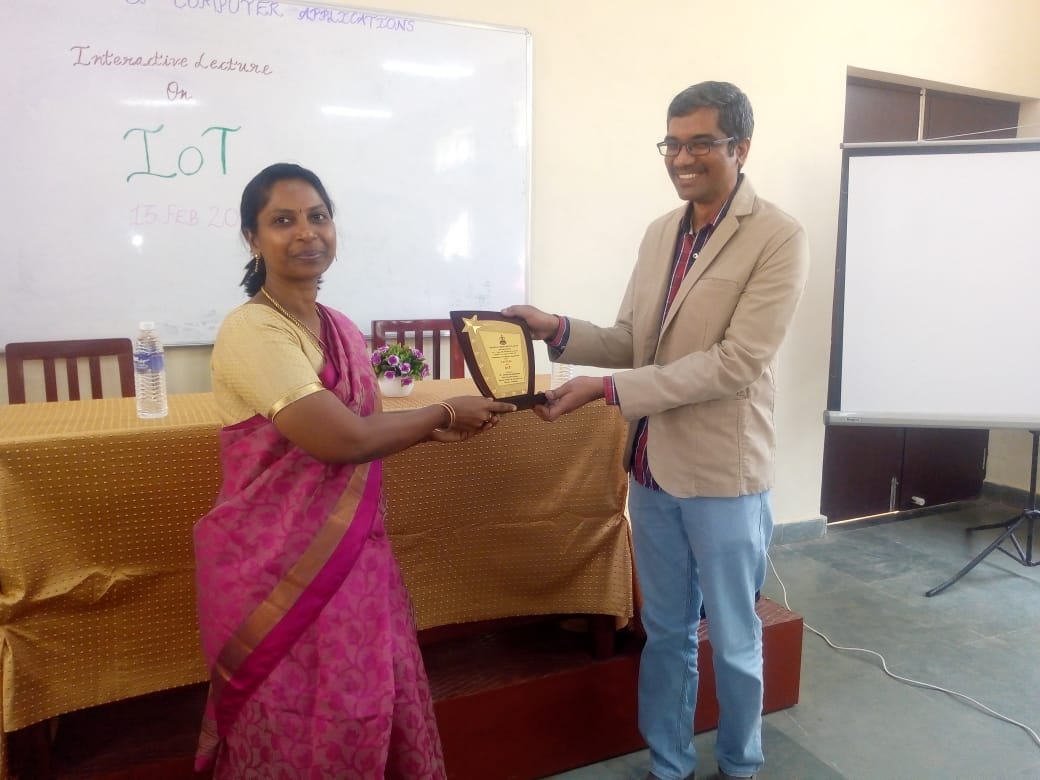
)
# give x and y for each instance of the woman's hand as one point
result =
(474, 414)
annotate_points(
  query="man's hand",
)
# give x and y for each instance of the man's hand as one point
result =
(541, 325)
(448, 435)
(570, 396)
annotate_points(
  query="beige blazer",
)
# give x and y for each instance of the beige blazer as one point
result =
(706, 379)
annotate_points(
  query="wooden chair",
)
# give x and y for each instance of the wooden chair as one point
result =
(50, 353)
(415, 332)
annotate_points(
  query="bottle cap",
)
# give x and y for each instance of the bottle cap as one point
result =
(147, 326)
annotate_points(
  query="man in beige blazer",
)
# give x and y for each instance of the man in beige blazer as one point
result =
(712, 295)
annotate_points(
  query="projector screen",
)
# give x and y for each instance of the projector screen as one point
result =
(938, 271)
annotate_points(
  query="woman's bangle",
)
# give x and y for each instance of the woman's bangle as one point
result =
(451, 416)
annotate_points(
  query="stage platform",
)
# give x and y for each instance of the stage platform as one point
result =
(523, 703)
(514, 703)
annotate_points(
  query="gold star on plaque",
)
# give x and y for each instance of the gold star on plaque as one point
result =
(472, 326)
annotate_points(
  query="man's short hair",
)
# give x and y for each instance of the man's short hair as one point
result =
(735, 116)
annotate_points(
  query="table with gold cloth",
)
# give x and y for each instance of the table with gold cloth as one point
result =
(96, 507)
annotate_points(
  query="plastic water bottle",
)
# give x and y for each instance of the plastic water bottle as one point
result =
(149, 373)
(561, 373)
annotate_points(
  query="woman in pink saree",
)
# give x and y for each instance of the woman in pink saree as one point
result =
(306, 626)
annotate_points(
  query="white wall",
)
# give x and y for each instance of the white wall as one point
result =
(604, 73)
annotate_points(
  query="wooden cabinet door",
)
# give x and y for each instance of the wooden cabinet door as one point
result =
(862, 468)
(942, 465)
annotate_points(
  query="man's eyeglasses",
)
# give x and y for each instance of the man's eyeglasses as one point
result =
(693, 148)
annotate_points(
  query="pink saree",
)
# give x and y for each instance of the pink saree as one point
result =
(306, 626)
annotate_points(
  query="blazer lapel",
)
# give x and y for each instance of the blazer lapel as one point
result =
(663, 255)
(724, 231)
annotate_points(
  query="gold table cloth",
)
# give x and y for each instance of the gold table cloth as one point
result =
(525, 519)
(96, 564)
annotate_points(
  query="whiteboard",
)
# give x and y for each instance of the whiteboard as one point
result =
(936, 320)
(131, 127)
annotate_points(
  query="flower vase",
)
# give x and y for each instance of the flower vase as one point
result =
(394, 388)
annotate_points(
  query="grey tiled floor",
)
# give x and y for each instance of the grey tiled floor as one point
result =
(863, 586)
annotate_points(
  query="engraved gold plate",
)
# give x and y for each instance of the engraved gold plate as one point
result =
(499, 354)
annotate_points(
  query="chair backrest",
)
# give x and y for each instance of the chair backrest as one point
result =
(50, 353)
(419, 333)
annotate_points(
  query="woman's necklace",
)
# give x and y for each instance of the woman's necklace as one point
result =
(289, 316)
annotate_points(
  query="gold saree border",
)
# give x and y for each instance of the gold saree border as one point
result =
(300, 392)
(287, 592)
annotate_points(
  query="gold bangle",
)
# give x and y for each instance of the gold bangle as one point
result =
(451, 416)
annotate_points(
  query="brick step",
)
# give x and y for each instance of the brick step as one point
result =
(524, 703)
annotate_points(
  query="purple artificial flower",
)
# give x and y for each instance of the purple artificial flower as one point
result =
(406, 380)
(376, 357)
(417, 354)
(406, 368)
(425, 370)
(391, 374)
(392, 360)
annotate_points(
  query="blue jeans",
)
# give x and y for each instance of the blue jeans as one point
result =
(689, 552)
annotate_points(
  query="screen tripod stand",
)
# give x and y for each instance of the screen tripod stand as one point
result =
(1028, 517)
